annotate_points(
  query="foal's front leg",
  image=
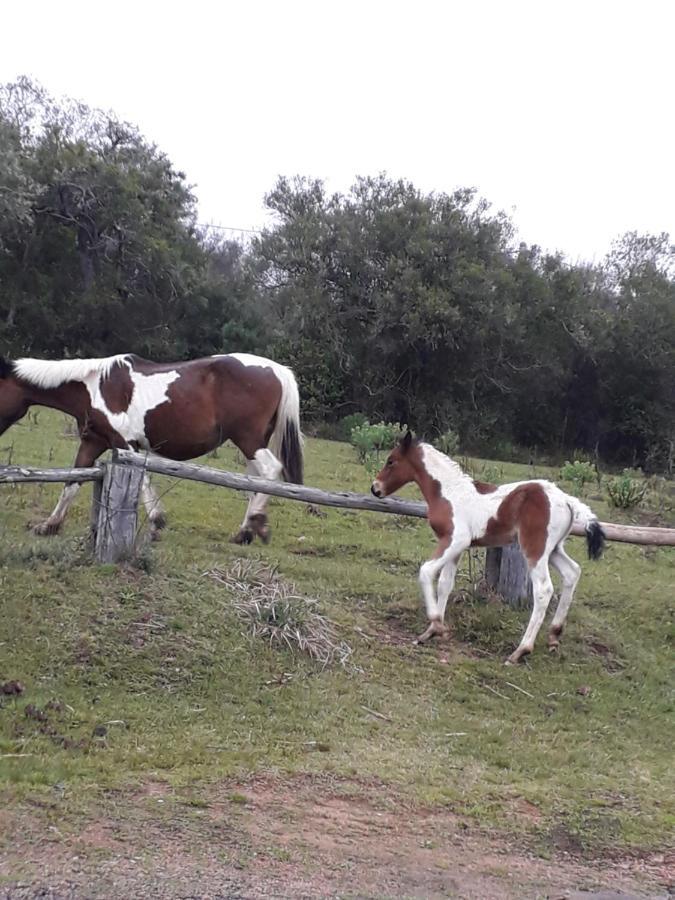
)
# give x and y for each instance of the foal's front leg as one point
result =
(428, 572)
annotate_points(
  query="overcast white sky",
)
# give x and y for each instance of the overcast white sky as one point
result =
(561, 113)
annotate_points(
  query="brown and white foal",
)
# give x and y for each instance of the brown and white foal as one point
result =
(465, 513)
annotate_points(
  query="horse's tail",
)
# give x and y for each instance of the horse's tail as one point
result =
(595, 535)
(287, 442)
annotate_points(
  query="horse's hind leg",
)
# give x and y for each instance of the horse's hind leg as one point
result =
(153, 507)
(87, 454)
(52, 524)
(265, 465)
(570, 572)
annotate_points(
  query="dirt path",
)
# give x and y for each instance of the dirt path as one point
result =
(300, 838)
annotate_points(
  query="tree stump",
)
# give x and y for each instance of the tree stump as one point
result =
(506, 573)
(114, 516)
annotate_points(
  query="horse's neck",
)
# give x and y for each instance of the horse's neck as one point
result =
(438, 469)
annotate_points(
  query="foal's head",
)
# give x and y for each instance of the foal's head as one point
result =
(398, 469)
(13, 404)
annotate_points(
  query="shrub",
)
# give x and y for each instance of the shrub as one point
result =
(578, 472)
(448, 442)
(348, 423)
(625, 491)
(370, 441)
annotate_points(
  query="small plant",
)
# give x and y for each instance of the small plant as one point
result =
(371, 441)
(625, 491)
(578, 472)
(448, 443)
(348, 423)
(492, 474)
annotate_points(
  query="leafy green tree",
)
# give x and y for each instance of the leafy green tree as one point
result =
(100, 247)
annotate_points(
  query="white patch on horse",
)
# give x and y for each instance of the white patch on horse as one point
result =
(457, 487)
(149, 392)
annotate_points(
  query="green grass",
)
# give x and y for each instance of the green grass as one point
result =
(152, 674)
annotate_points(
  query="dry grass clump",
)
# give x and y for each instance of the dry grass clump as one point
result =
(274, 611)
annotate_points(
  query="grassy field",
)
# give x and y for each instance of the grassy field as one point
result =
(147, 672)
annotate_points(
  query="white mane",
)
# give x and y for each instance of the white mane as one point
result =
(445, 470)
(47, 373)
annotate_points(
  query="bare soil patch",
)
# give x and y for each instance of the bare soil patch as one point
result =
(305, 837)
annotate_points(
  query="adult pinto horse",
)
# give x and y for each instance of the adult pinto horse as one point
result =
(177, 410)
(464, 513)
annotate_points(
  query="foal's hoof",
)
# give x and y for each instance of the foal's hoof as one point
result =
(516, 657)
(46, 528)
(244, 536)
(554, 638)
(435, 629)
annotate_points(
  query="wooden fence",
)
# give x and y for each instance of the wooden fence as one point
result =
(117, 483)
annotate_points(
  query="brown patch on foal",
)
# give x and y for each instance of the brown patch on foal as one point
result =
(439, 508)
(524, 512)
(483, 487)
(117, 389)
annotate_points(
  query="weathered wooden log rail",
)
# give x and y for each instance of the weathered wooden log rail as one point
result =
(29, 475)
(631, 534)
(117, 486)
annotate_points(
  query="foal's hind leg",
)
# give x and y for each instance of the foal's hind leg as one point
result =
(543, 591)
(265, 465)
(570, 572)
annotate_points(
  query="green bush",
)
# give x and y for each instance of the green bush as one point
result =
(578, 472)
(625, 491)
(348, 423)
(372, 441)
(448, 442)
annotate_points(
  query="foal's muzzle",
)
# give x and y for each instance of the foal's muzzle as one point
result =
(376, 489)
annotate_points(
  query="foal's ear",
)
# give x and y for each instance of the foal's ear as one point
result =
(406, 441)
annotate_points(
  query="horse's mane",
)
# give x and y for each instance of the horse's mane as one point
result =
(6, 367)
(443, 465)
(48, 373)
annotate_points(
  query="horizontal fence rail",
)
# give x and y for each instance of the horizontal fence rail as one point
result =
(253, 484)
(29, 475)
(631, 534)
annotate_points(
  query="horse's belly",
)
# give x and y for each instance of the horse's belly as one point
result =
(182, 445)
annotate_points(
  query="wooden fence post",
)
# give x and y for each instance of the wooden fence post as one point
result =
(115, 513)
(506, 573)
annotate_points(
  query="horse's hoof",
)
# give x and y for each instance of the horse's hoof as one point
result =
(553, 646)
(158, 521)
(155, 535)
(245, 536)
(45, 529)
(435, 629)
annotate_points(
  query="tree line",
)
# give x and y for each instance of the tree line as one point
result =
(405, 306)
